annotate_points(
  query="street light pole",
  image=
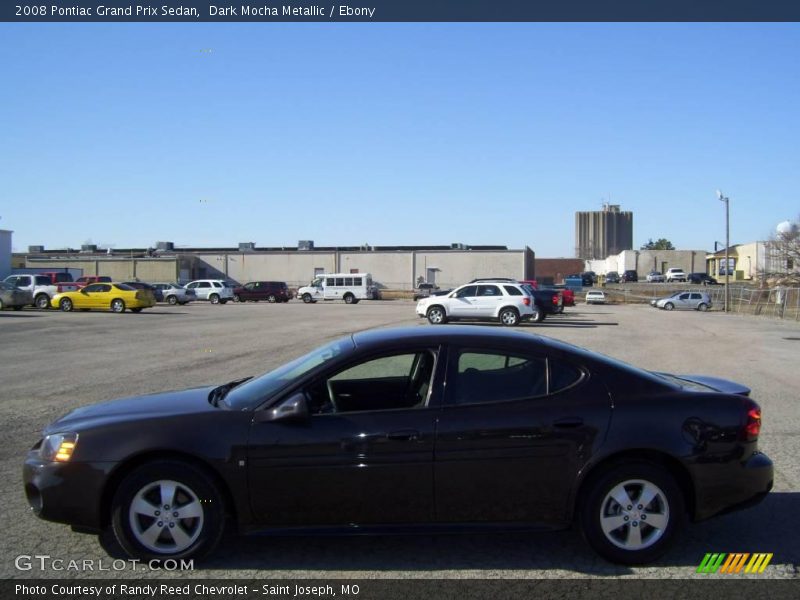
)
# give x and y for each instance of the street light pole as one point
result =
(727, 244)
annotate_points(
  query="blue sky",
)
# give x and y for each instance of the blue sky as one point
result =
(386, 134)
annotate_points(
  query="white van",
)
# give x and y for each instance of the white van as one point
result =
(350, 287)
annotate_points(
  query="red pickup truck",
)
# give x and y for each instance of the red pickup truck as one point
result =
(85, 280)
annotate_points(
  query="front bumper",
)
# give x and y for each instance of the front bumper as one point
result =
(68, 493)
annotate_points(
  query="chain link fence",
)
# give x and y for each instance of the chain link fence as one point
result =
(780, 302)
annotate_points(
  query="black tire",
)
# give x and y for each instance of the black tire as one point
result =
(118, 305)
(307, 298)
(636, 540)
(136, 310)
(65, 305)
(195, 492)
(509, 317)
(669, 306)
(538, 315)
(348, 298)
(173, 300)
(214, 298)
(436, 315)
(702, 307)
(271, 299)
(42, 301)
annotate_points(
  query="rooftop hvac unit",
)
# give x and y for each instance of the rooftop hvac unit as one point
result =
(165, 246)
(247, 246)
(458, 246)
(305, 245)
(89, 248)
(35, 249)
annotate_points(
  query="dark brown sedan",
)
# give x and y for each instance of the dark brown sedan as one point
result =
(413, 429)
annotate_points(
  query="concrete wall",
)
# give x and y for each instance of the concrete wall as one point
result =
(118, 268)
(644, 261)
(5, 253)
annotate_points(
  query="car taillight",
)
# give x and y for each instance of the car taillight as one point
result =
(555, 300)
(752, 424)
(526, 301)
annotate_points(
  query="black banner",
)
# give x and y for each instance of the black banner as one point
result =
(730, 588)
(221, 11)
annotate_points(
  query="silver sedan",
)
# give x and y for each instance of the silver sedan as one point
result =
(685, 300)
(13, 297)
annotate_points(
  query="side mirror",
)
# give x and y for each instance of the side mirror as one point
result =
(295, 407)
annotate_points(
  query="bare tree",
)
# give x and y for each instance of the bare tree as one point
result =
(782, 258)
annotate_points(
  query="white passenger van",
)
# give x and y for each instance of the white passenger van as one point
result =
(350, 287)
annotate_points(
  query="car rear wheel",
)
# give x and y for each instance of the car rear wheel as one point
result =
(214, 298)
(271, 299)
(42, 301)
(436, 315)
(237, 298)
(167, 509)
(173, 300)
(669, 306)
(631, 513)
(509, 317)
(703, 307)
(117, 306)
(348, 298)
(65, 304)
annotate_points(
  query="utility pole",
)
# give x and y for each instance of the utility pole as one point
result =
(725, 199)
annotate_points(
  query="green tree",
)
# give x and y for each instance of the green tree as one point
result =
(659, 244)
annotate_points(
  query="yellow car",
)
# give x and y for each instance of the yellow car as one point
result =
(113, 296)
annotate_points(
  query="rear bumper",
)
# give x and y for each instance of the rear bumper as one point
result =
(734, 486)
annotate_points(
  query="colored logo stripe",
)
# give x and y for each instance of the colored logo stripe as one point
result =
(734, 563)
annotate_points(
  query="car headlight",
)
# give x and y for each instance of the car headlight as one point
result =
(58, 447)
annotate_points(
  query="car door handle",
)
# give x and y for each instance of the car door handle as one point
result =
(403, 435)
(568, 422)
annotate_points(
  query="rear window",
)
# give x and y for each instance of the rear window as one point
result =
(512, 291)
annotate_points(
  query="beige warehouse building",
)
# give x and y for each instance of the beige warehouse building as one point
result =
(392, 267)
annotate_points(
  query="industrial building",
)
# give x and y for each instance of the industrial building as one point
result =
(599, 234)
(392, 267)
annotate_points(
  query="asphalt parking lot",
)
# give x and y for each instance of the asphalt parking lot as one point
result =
(52, 362)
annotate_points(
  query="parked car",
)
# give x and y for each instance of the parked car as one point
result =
(595, 297)
(87, 279)
(213, 290)
(655, 277)
(701, 278)
(140, 285)
(506, 302)
(116, 297)
(41, 287)
(503, 279)
(685, 300)
(629, 276)
(424, 290)
(13, 297)
(173, 293)
(271, 291)
(612, 277)
(675, 274)
(528, 431)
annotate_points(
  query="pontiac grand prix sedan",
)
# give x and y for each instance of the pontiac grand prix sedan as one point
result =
(409, 429)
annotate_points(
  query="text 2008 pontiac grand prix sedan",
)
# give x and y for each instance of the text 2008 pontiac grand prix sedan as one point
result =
(394, 429)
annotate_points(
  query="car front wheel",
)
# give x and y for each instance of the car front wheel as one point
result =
(669, 306)
(436, 315)
(173, 300)
(65, 304)
(167, 509)
(631, 513)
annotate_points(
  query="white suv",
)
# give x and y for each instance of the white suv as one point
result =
(507, 302)
(215, 291)
(675, 274)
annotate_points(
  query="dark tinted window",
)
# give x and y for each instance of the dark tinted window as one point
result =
(467, 292)
(357, 281)
(488, 290)
(496, 377)
(562, 375)
(512, 291)
(339, 281)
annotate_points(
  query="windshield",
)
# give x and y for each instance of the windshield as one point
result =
(255, 391)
